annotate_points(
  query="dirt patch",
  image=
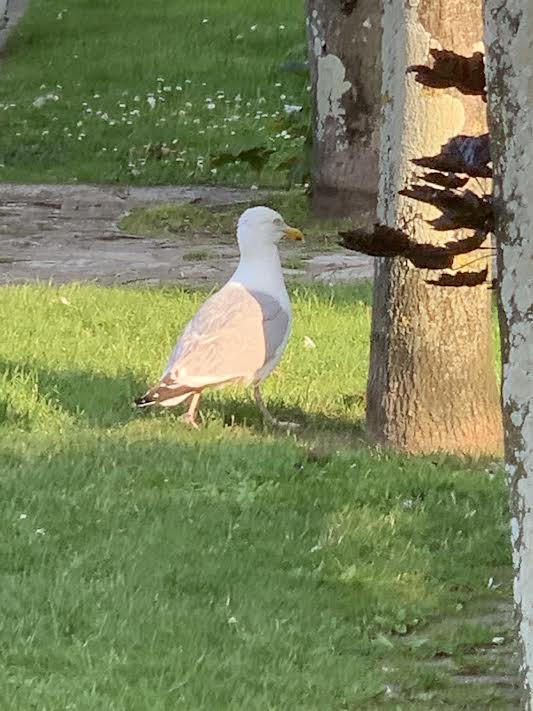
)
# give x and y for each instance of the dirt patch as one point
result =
(63, 233)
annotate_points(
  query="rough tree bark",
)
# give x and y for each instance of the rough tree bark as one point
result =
(345, 63)
(509, 41)
(432, 383)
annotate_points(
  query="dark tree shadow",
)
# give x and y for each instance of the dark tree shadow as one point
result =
(93, 397)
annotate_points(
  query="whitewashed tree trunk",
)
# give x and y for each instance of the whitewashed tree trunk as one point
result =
(432, 384)
(509, 41)
(345, 63)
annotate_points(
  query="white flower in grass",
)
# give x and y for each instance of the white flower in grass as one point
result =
(178, 87)
(151, 101)
(282, 27)
(40, 101)
(309, 343)
(292, 108)
(239, 37)
(23, 516)
(205, 21)
(253, 28)
(211, 106)
(40, 531)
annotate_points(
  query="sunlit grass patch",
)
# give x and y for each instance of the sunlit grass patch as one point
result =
(145, 565)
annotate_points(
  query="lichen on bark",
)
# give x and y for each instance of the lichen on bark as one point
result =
(509, 42)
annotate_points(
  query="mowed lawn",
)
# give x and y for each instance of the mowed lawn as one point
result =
(148, 92)
(147, 566)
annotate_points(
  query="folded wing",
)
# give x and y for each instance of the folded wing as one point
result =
(235, 335)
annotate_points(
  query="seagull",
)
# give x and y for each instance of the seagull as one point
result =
(240, 333)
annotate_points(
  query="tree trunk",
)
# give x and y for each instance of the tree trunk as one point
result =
(509, 40)
(432, 384)
(345, 63)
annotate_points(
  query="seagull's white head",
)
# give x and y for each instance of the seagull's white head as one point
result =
(261, 227)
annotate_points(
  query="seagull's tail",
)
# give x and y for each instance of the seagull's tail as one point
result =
(165, 395)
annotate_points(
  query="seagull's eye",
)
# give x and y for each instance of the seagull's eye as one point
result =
(278, 221)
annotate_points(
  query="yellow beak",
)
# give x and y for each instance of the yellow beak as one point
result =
(293, 233)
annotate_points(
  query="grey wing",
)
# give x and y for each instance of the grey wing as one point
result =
(231, 337)
(276, 324)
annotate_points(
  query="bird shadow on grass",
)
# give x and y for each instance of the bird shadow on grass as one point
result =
(106, 401)
(314, 429)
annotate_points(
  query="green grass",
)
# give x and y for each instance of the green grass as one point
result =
(216, 87)
(188, 221)
(147, 566)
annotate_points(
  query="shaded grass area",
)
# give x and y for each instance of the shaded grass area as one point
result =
(129, 91)
(148, 566)
(188, 220)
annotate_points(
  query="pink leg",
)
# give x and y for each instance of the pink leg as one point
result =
(267, 417)
(190, 416)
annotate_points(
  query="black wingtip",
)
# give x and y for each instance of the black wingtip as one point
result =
(144, 401)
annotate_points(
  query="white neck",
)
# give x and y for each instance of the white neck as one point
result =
(260, 269)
